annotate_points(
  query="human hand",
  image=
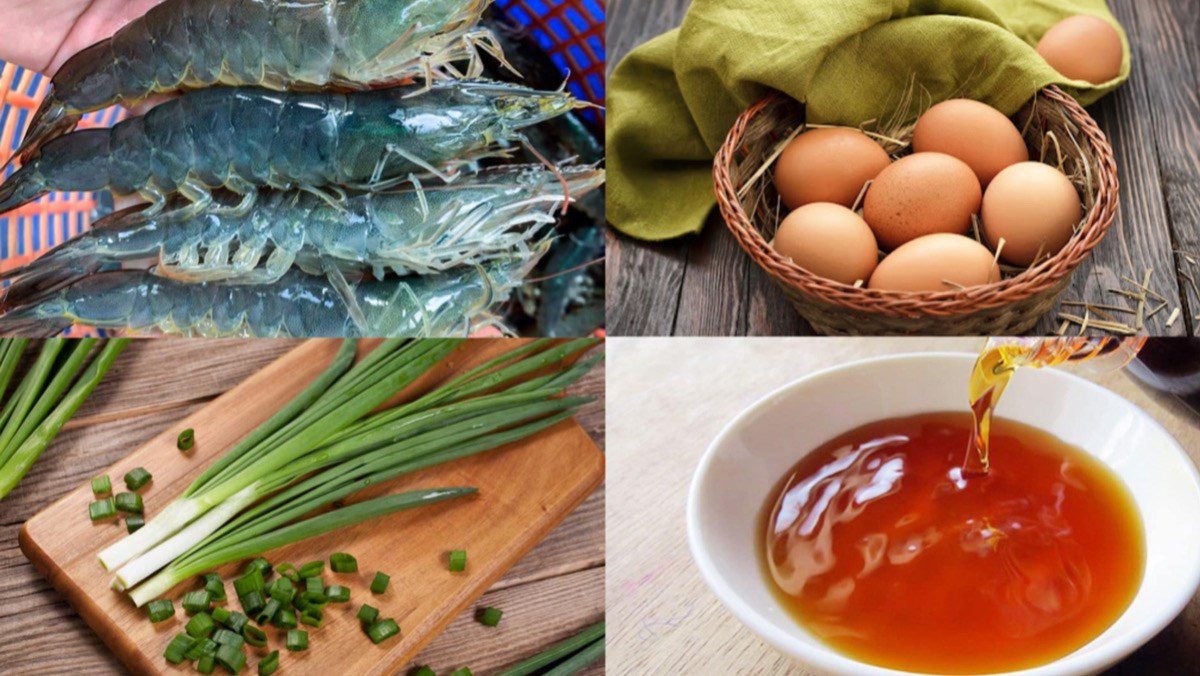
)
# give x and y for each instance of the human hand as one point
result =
(42, 34)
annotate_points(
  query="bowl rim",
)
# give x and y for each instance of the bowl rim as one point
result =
(825, 658)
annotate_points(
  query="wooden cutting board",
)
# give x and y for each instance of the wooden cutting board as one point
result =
(525, 490)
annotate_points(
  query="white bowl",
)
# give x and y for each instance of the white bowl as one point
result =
(743, 463)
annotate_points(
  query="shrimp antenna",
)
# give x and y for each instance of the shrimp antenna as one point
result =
(553, 168)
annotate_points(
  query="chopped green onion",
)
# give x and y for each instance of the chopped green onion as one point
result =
(462, 672)
(268, 612)
(221, 615)
(227, 637)
(101, 486)
(102, 509)
(262, 565)
(254, 636)
(177, 648)
(231, 657)
(159, 610)
(297, 639)
(186, 440)
(558, 652)
(341, 562)
(382, 630)
(489, 617)
(202, 647)
(207, 664)
(337, 593)
(253, 602)
(130, 503)
(458, 561)
(313, 600)
(237, 621)
(314, 585)
(424, 671)
(134, 522)
(368, 614)
(200, 625)
(196, 602)
(214, 586)
(269, 664)
(288, 571)
(286, 619)
(380, 584)
(282, 590)
(312, 617)
(312, 569)
(252, 580)
(136, 478)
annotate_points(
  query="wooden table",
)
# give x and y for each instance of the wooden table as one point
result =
(670, 397)
(706, 284)
(554, 591)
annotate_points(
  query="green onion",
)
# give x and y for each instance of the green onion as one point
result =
(461, 672)
(579, 661)
(237, 621)
(38, 409)
(424, 671)
(186, 440)
(382, 630)
(312, 617)
(489, 617)
(231, 657)
(341, 562)
(207, 664)
(130, 503)
(253, 602)
(289, 572)
(227, 637)
(134, 522)
(558, 651)
(312, 569)
(202, 647)
(102, 509)
(101, 486)
(260, 564)
(177, 648)
(282, 590)
(337, 593)
(380, 584)
(214, 586)
(136, 478)
(201, 624)
(160, 609)
(297, 639)
(269, 664)
(254, 636)
(196, 602)
(268, 612)
(251, 581)
(286, 619)
(222, 615)
(368, 614)
(314, 585)
(458, 561)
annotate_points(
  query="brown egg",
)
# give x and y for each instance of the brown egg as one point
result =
(974, 132)
(828, 240)
(921, 194)
(1034, 207)
(1083, 47)
(830, 164)
(928, 263)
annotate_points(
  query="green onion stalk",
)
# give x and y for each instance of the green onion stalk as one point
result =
(259, 495)
(45, 399)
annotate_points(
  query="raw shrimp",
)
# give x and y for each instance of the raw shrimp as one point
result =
(304, 45)
(242, 138)
(493, 214)
(297, 305)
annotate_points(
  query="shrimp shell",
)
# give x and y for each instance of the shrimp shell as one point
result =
(242, 138)
(306, 45)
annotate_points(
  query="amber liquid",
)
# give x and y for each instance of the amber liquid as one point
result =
(881, 546)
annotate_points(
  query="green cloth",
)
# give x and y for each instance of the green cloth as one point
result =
(672, 100)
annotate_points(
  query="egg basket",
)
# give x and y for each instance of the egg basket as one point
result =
(1055, 128)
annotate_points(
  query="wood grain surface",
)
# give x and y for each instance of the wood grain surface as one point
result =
(706, 285)
(669, 399)
(547, 595)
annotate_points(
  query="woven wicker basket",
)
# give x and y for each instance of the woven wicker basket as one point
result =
(1055, 127)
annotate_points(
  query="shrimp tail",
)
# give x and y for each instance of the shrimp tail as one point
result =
(49, 122)
(53, 271)
(24, 186)
(25, 322)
